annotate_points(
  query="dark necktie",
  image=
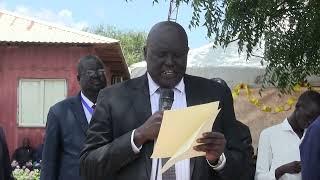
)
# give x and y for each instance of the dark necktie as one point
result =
(170, 174)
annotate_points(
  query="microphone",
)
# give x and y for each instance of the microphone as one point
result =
(166, 99)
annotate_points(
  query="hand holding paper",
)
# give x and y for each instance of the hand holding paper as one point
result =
(213, 143)
(180, 130)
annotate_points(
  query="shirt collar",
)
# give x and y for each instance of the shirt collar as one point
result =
(285, 126)
(90, 104)
(153, 87)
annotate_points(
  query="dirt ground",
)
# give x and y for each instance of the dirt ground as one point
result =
(256, 119)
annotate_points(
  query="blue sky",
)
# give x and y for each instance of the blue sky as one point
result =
(134, 15)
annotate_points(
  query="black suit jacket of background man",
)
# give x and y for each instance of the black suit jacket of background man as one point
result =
(65, 137)
(5, 167)
(124, 107)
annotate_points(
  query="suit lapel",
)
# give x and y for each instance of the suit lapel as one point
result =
(140, 99)
(78, 112)
(192, 95)
(142, 106)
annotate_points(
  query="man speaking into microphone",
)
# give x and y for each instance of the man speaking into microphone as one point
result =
(128, 117)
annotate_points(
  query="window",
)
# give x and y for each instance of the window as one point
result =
(36, 96)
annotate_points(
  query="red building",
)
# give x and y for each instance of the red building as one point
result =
(38, 68)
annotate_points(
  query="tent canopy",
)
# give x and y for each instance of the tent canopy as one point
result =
(210, 62)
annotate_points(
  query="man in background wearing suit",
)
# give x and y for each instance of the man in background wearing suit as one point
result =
(68, 121)
(246, 140)
(310, 152)
(127, 119)
(5, 167)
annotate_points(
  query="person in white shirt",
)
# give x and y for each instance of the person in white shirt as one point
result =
(278, 151)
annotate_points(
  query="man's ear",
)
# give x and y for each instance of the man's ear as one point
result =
(145, 52)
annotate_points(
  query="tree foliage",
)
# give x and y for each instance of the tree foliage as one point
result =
(289, 31)
(132, 42)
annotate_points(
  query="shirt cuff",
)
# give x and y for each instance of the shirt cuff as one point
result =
(221, 163)
(135, 149)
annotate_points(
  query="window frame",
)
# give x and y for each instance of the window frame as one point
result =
(20, 122)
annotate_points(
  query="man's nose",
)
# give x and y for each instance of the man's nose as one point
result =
(169, 60)
(95, 75)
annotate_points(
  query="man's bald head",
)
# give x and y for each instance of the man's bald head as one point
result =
(162, 28)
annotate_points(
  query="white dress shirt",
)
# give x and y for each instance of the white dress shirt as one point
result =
(182, 168)
(278, 145)
(86, 111)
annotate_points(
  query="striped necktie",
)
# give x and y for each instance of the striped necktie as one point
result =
(170, 174)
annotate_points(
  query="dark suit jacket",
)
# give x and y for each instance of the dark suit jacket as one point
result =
(65, 136)
(310, 152)
(5, 167)
(124, 107)
(246, 140)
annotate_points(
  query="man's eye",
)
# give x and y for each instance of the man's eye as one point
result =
(162, 54)
(177, 55)
(90, 73)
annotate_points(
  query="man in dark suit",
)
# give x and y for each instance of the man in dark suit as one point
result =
(68, 122)
(127, 121)
(310, 152)
(245, 138)
(5, 167)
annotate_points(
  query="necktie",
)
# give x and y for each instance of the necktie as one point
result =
(170, 174)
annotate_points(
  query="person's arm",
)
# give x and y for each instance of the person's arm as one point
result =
(102, 155)
(310, 154)
(264, 158)
(51, 150)
(293, 167)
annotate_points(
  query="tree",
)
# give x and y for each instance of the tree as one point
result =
(132, 42)
(289, 31)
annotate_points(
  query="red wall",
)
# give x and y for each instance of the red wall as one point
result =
(33, 62)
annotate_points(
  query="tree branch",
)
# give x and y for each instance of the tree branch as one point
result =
(262, 57)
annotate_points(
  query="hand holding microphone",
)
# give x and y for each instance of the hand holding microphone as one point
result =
(150, 129)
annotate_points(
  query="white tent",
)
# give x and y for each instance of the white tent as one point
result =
(210, 62)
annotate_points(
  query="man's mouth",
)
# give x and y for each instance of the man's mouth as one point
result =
(96, 82)
(168, 74)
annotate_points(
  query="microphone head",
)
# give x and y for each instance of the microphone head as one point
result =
(166, 99)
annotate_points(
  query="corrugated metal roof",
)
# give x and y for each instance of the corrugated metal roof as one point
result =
(16, 28)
